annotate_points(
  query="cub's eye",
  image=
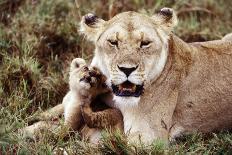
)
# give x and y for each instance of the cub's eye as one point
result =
(144, 44)
(113, 42)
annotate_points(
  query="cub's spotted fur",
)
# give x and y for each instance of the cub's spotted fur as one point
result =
(84, 106)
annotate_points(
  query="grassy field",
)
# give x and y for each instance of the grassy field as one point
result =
(39, 38)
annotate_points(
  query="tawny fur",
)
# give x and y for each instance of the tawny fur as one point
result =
(83, 109)
(188, 87)
(88, 113)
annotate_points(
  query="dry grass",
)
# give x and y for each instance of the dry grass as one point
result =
(39, 38)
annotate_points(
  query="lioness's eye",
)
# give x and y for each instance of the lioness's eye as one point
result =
(113, 42)
(144, 43)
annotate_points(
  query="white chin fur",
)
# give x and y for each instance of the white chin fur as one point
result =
(134, 80)
(125, 102)
(100, 64)
(157, 67)
(119, 79)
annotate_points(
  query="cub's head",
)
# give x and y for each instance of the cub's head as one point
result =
(131, 48)
(77, 69)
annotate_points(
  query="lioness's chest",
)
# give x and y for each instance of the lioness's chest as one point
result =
(136, 126)
(134, 123)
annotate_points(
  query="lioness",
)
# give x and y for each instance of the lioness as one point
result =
(163, 86)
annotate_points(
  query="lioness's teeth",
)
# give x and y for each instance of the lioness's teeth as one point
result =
(126, 89)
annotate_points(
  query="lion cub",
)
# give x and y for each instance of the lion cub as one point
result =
(85, 109)
(84, 106)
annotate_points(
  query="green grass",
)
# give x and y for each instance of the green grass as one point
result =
(39, 38)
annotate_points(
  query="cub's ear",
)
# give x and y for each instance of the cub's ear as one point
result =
(77, 63)
(92, 26)
(166, 19)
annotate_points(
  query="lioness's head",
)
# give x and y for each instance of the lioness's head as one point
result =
(131, 48)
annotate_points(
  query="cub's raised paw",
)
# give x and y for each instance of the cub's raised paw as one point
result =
(92, 77)
(86, 81)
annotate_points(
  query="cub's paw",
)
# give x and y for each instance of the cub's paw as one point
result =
(91, 78)
(86, 81)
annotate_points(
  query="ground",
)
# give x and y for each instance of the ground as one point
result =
(38, 40)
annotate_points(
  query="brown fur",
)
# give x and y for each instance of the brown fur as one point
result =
(95, 113)
(89, 113)
(192, 92)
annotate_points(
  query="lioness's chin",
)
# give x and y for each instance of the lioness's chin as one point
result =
(124, 102)
(127, 89)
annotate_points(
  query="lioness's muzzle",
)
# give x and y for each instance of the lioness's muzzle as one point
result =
(127, 89)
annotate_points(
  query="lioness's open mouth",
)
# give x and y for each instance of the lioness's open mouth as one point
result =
(127, 89)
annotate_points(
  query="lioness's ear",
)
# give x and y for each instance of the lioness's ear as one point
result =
(166, 19)
(92, 26)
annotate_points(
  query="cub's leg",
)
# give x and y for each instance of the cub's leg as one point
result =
(35, 130)
(71, 102)
(109, 118)
(72, 113)
(48, 115)
(83, 83)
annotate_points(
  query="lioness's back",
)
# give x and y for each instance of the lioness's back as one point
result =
(206, 95)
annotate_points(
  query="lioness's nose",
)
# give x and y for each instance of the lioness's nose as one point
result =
(126, 70)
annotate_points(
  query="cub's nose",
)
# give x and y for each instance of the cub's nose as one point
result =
(127, 70)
